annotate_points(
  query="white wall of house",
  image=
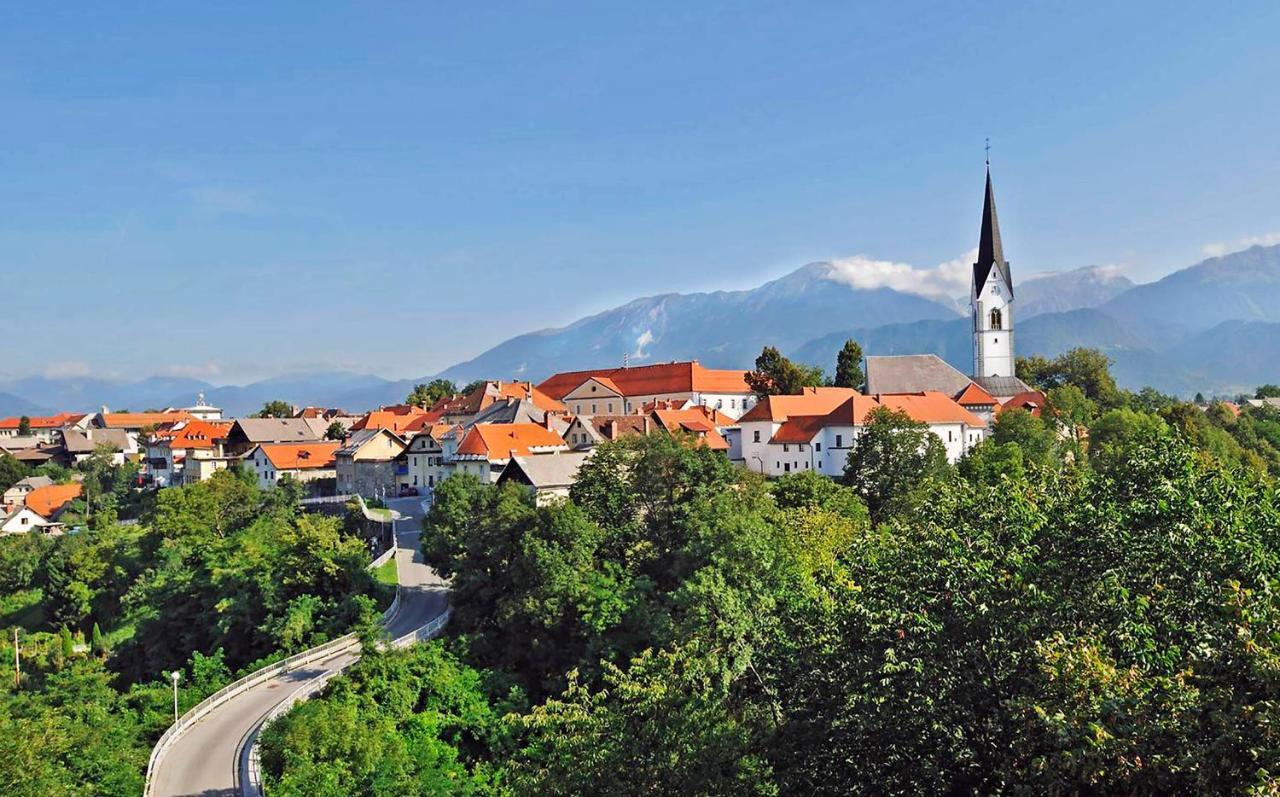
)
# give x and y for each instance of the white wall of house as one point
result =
(22, 521)
(828, 451)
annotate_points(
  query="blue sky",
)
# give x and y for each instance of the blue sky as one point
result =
(237, 190)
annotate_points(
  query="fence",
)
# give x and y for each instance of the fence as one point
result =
(319, 653)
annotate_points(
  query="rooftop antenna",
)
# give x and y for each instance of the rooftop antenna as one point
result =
(988, 153)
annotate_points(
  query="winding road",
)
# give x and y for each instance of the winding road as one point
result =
(205, 761)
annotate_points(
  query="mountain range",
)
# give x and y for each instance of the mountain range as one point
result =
(1213, 327)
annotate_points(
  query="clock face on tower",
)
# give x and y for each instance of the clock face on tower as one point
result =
(995, 290)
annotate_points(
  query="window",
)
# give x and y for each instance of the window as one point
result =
(593, 409)
(817, 446)
(755, 436)
(787, 468)
(785, 448)
(996, 319)
(839, 441)
(610, 407)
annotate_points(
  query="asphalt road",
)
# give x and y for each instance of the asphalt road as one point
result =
(205, 760)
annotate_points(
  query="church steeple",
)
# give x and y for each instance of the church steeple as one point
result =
(992, 297)
(990, 249)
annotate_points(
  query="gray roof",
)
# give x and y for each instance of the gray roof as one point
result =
(510, 411)
(78, 442)
(912, 373)
(17, 442)
(32, 482)
(280, 430)
(546, 471)
(1002, 387)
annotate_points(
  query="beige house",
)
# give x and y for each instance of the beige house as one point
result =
(302, 462)
(367, 464)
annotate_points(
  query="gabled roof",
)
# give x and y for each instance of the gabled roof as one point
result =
(359, 439)
(86, 442)
(990, 248)
(813, 401)
(930, 407)
(497, 442)
(693, 421)
(1030, 400)
(649, 380)
(300, 456)
(32, 482)
(545, 471)
(280, 430)
(975, 396)
(137, 420)
(48, 501)
(43, 422)
(911, 373)
(484, 395)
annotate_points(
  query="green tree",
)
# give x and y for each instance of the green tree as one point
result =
(849, 366)
(1267, 391)
(24, 426)
(11, 471)
(275, 409)
(1116, 436)
(989, 463)
(1087, 369)
(336, 431)
(472, 386)
(777, 375)
(891, 458)
(426, 395)
(1019, 427)
(97, 643)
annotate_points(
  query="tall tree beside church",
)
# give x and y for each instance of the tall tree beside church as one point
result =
(776, 375)
(849, 366)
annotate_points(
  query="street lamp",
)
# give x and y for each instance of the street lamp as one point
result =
(175, 675)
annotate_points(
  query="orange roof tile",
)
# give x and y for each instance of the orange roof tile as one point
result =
(197, 434)
(647, 380)
(498, 441)
(46, 501)
(930, 406)
(813, 401)
(137, 420)
(695, 421)
(43, 422)
(975, 395)
(301, 456)
(1030, 400)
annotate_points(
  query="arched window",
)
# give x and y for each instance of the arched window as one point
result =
(996, 320)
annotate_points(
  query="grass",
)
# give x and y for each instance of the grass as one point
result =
(386, 577)
(22, 608)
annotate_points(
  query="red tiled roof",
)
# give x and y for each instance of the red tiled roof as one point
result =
(974, 395)
(696, 422)
(137, 420)
(648, 380)
(46, 501)
(498, 441)
(301, 456)
(483, 396)
(813, 401)
(1030, 400)
(930, 406)
(43, 422)
(396, 418)
(197, 434)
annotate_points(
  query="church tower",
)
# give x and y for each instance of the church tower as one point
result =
(992, 297)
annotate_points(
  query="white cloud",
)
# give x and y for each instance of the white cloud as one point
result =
(945, 280)
(1221, 248)
(193, 370)
(67, 369)
(642, 341)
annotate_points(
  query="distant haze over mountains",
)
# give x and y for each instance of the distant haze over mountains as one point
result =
(1212, 327)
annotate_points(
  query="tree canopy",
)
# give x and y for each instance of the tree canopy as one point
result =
(774, 375)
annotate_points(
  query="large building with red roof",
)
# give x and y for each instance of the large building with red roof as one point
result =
(622, 391)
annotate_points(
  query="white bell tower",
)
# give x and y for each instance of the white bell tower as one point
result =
(992, 297)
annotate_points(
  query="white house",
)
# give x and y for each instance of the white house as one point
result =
(425, 457)
(809, 439)
(302, 462)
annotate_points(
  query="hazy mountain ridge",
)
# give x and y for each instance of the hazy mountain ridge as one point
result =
(1214, 326)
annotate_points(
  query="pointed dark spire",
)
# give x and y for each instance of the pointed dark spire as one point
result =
(990, 249)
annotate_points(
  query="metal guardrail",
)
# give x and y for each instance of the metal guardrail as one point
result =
(250, 756)
(231, 690)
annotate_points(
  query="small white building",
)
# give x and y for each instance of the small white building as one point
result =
(302, 462)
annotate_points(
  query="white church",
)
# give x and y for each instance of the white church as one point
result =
(993, 383)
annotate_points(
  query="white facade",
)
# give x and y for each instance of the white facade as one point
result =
(993, 328)
(22, 521)
(594, 397)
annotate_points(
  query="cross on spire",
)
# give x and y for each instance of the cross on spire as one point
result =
(988, 148)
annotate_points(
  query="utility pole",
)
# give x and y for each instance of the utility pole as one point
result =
(17, 663)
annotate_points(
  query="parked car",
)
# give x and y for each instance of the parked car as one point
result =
(407, 490)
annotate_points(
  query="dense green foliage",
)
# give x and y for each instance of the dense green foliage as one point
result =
(275, 409)
(849, 366)
(426, 394)
(1086, 604)
(213, 577)
(775, 374)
